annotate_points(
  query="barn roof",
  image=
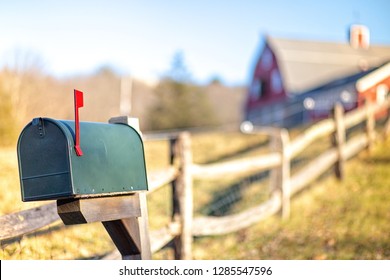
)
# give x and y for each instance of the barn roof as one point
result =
(308, 64)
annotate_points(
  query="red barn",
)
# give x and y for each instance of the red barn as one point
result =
(292, 77)
(374, 86)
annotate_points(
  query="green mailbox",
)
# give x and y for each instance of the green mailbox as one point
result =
(112, 163)
(54, 164)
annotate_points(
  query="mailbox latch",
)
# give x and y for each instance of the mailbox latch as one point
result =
(41, 128)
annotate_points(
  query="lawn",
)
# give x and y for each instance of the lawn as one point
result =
(331, 220)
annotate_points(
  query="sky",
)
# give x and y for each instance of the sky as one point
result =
(218, 39)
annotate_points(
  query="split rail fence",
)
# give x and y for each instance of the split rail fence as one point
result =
(283, 183)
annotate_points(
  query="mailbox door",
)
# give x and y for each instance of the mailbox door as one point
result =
(112, 162)
(43, 156)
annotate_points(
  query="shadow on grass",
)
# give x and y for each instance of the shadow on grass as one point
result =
(224, 201)
(238, 153)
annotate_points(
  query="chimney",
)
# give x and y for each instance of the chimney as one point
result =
(359, 36)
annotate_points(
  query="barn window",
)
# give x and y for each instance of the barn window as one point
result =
(267, 59)
(382, 92)
(276, 82)
(257, 89)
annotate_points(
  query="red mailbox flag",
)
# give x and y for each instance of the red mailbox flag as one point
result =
(78, 103)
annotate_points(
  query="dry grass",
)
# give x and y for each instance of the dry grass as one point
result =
(333, 220)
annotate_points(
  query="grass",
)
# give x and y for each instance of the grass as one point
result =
(332, 220)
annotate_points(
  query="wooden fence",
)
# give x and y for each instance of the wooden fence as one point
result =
(284, 184)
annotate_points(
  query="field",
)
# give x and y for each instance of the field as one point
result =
(331, 220)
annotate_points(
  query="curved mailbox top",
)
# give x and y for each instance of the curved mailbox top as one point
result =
(112, 163)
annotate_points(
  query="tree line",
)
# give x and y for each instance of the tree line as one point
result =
(175, 102)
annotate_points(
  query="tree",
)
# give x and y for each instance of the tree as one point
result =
(180, 103)
(21, 81)
(8, 129)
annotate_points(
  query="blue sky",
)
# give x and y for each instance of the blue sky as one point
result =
(139, 38)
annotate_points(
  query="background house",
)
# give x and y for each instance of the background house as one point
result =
(297, 80)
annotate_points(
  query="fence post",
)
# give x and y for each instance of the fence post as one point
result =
(280, 176)
(131, 235)
(338, 139)
(370, 124)
(386, 129)
(182, 197)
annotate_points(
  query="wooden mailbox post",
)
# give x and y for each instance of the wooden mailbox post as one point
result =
(124, 217)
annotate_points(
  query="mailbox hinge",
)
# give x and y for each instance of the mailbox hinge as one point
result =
(41, 128)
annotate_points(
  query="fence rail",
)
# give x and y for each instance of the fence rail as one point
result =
(183, 226)
(27, 221)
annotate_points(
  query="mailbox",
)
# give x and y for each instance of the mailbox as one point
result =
(112, 163)
(54, 164)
